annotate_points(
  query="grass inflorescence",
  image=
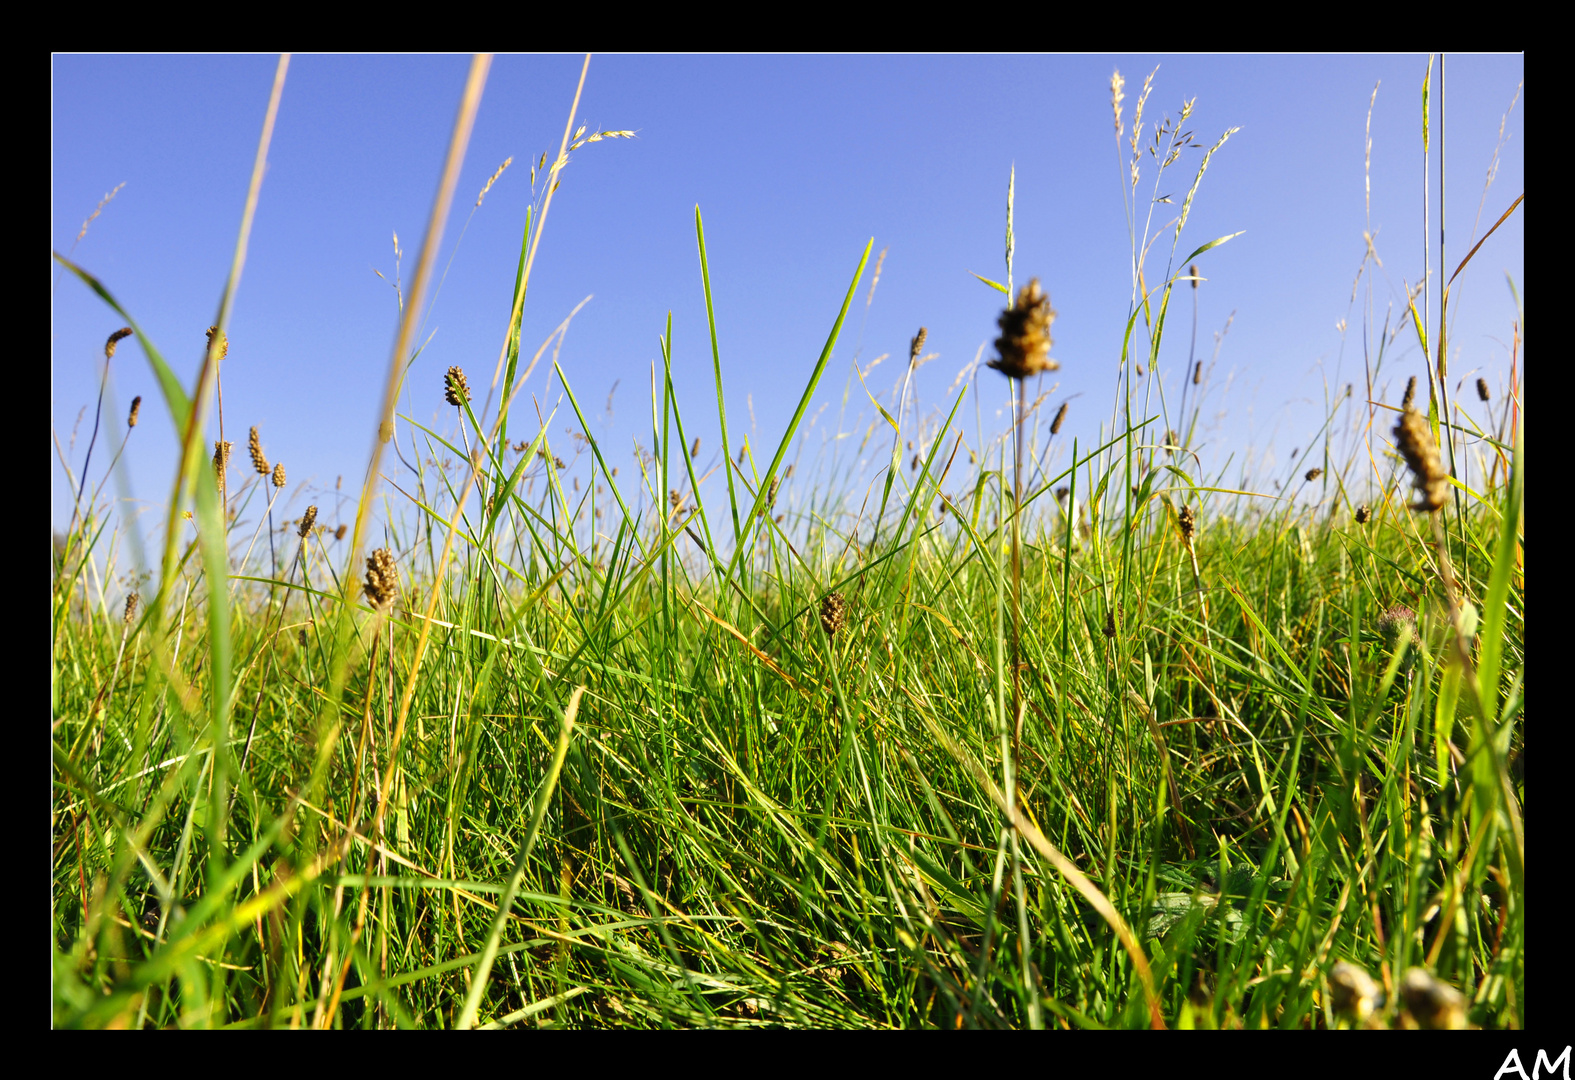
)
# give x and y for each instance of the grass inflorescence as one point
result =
(1090, 744)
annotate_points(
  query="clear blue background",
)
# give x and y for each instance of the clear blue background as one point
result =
(795, 162)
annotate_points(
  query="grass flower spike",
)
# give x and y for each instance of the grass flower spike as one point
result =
(1024, 344)
(382, 580)
(1421, 454)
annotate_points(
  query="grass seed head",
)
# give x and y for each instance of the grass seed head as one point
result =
(131, 609)
(1482, 390)
(1434, 1005)
(1189, 524)
(916, 345)
(221, 459)
(1025, 340)
(833, 613)
(1313, 474)
(771, 498)
(254, 447)
(694, 450)
(1416, 444)
(1353, 993)
(308, 519)
(136, 407)
(382, 580)
(125, 331)
(222, 349)
(1364, 514)
(456, 391)
(1410, 394)
(1060, 418)
(339, 533)
(1197, 374)
(278, 475)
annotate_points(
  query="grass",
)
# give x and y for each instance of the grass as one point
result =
(1154, 766)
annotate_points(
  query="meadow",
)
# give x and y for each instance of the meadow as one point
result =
(1014, 734)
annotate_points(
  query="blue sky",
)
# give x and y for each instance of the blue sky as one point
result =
(796, 163)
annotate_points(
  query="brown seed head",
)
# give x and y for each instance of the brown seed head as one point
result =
(114, 339)
(456, 390)
(1415, 440)
(221, 350)
(1060, 418)
(694, 451)
(307, 521)
(1482, 390)
(1194, 270)
(1025, 341)
(278, 475)
(1312, 474)
(136, 407)
(254, 447)
(1353, 993)
(1189, 524)
(382, 580)
(1410, 393)
(221, 459)
(771, 498)
(339, 533)
(1435, 1005)
(1197, 374)
(916, 345)
(1364, 514)
(1110, 623)
(833, 613)
(131, 609)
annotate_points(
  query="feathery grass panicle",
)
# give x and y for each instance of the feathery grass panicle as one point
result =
(308, 519)
(1060, 418)
(1024, 344)
(456, 390)
(1410, 394)
(278, 475)
(136, 407)
(382, 579)
(115, 339)
(1415, 441)
(493, 179)
(833, 613)
(1117, 97)
(254, 447)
